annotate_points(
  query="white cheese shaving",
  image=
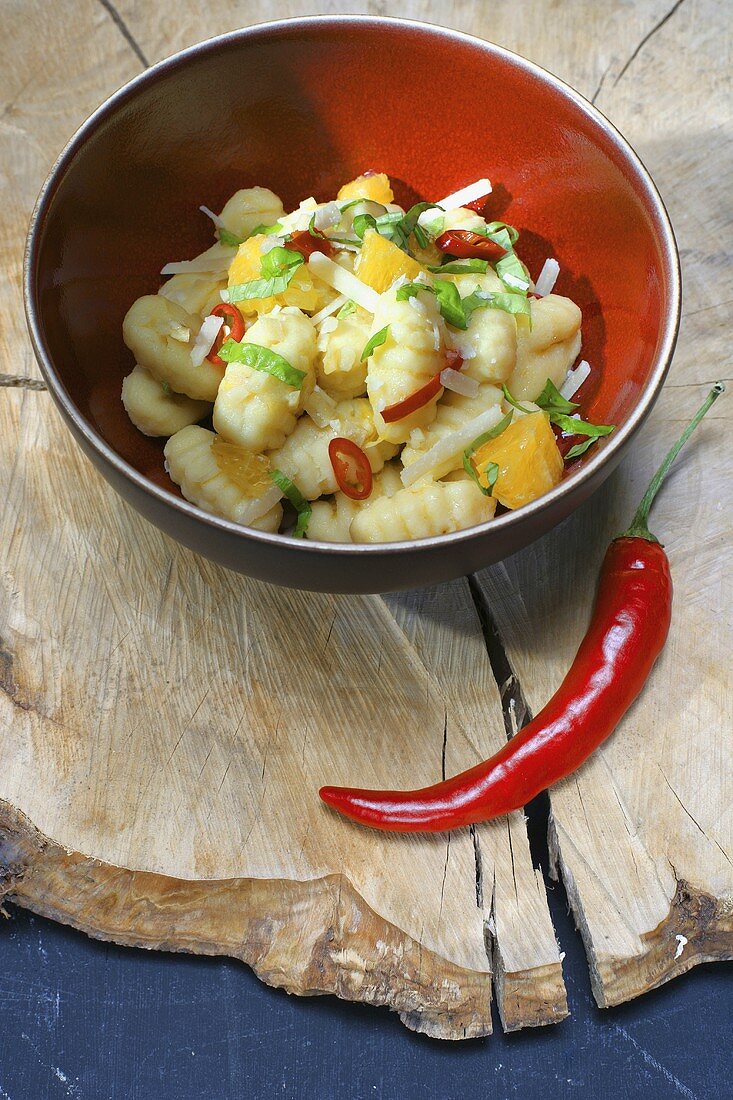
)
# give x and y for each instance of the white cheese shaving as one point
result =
(206, 335)
(332, 307)
(465, 195)
(450, 446)
(327, 216)
(343, 281)
(547, 278)
(459, 383)
(321, 408)
(682, 942)
(214, 217)
(268, 243)
(575, 379)
(329, 325)
(179, 332)
(210, 264)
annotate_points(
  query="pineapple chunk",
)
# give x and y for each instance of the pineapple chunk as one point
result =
(529, 461)
(304, 291)
(380, 263)
(375, 187)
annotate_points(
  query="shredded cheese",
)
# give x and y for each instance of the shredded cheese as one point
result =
(208, 264)
(459, 383)
(465, 195)
(206, 335)
(547, 278)
(214, 217)
(332, 307)
(451, 446)
(575, 379)
(343, 281)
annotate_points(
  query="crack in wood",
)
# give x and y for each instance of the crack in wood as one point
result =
(649, 35)
(13, 381)
(125, 31)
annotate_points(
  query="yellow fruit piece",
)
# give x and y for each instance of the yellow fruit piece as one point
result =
(528, 459)
(304, 291)
(249, 472)
(380, 262)
(374, 187)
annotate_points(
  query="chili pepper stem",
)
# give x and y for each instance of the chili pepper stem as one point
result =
(639, 528)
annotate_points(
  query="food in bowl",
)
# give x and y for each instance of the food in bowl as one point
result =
(391, 374)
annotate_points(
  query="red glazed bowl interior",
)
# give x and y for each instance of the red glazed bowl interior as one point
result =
(301, 107)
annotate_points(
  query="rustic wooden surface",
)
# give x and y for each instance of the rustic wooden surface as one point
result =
(138, 767)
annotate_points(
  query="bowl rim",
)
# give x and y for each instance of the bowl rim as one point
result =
(509, 520)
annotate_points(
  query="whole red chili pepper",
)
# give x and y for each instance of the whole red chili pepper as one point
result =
(627, 633)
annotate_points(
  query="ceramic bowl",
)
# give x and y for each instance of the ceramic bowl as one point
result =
(301, 106)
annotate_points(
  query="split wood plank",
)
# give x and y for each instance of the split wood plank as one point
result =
(643, 835)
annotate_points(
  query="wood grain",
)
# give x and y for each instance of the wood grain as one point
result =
(161, 768)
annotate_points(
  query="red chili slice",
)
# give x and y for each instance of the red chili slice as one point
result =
(351, 467)
(467, 245)
(454, 359)
(304, 242)
(414, 401)
(234, 320)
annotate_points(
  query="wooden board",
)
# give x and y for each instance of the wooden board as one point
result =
(160, 768)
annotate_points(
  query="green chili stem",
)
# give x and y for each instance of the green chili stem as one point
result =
(639, 525)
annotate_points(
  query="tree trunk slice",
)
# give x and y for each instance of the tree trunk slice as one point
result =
(165, 724)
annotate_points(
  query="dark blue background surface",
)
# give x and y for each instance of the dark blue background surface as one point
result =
(91, 1021)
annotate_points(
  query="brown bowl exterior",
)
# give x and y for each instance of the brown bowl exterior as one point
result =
(301, 106)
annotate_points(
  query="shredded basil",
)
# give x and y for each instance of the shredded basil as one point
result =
(296, 498)
(346, 310)
(280, 261)
(362, 222)
(262, 359)
(462, 267)
(552, 401)
(492, 469)
(410, 290)
(450, 304)
(375, 341)
(512, 400)
(278, 267)
(230, 239)
(513, 273)
(165, 388)
(435, 225)
(267, 230)
(558, 408)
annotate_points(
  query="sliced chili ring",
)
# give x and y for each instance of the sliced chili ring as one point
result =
(351, 467)
(306, 243)
(467, 245)
(235, 322)
(453, 359)
(413, 401)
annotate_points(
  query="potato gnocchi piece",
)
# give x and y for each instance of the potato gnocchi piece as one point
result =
(462, 218)
(157, 412)
(331, 518)
(489, 344)
(196, 293)
(430, 508)
(413, 353)
(255, 409)
(549, 349)
(249, 208)
(147, 330)
(454, 412)
(340, 370)
(191, 463)
(304, 455)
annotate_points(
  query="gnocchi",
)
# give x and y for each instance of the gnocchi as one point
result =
(353, 368)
